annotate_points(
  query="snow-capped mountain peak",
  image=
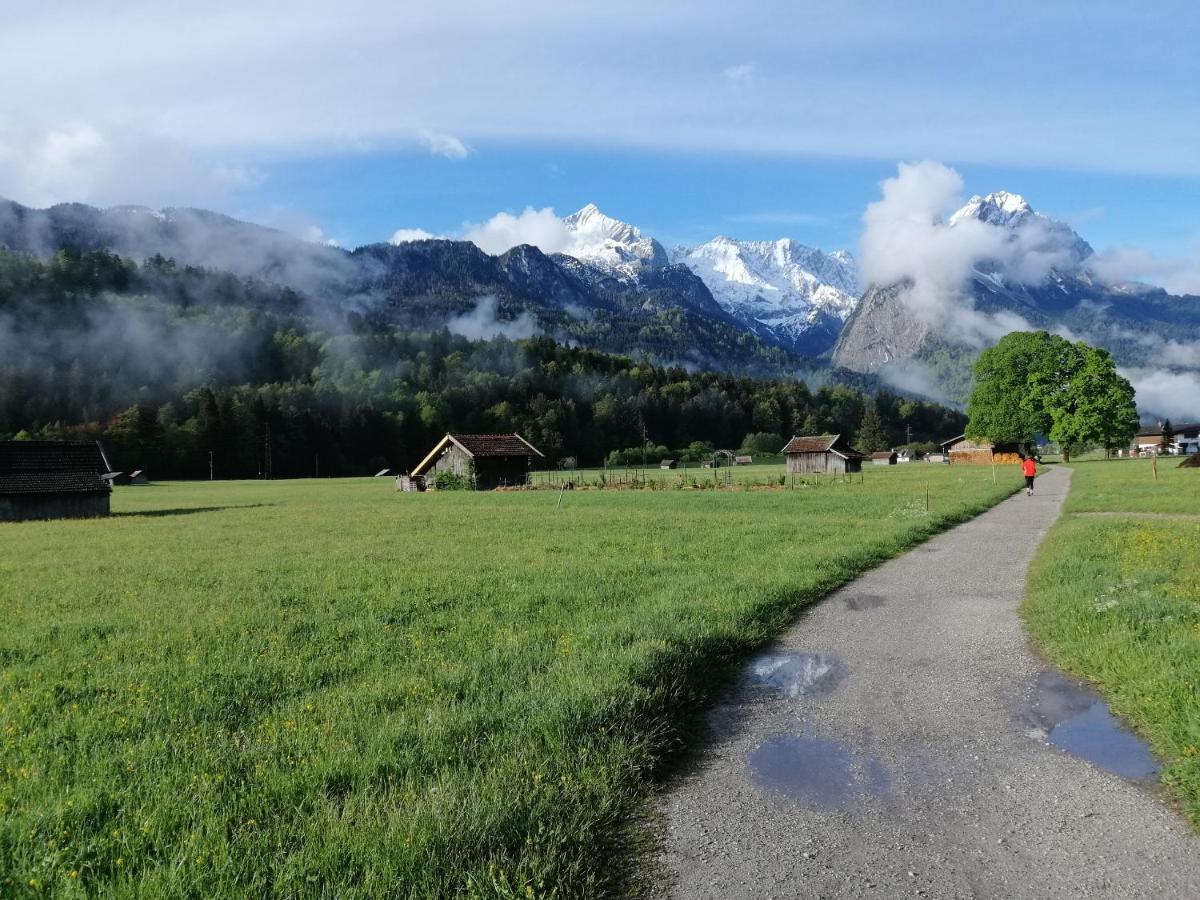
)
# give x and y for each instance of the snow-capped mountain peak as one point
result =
(998, 208)
(781, 288)
(1034, 231)
(610, 244)
(782, 285)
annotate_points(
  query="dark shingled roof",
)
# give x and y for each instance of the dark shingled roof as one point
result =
(822, 443)
(494, 444)
(814, 444)
(883, 454)
(52, 467)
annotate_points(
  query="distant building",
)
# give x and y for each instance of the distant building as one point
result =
(53, 480)
(667, 464)
(962, 450)
(1149, 440)
(743, 460)
(820, 454)
(884, 458)
(486, 460)
(137, 476)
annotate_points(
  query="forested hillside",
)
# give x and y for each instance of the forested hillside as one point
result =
(166, 363)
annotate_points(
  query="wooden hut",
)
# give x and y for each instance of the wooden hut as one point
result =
(667, 464)
(743, 460)
(962, 450)
(884, 458)
(818, 454)
(486, 460)
(53, 480)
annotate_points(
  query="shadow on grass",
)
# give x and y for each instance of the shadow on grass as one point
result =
(186, 511)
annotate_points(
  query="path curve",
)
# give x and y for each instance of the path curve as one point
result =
(886, 747)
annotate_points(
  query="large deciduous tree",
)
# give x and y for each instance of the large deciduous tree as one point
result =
(1036, 382)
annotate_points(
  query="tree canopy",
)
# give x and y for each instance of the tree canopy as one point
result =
(1039, 383)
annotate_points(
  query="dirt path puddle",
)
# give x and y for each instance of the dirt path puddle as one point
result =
(818, 772)
(1077, 720)
(799, 675)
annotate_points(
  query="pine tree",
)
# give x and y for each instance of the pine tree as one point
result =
(872, 434)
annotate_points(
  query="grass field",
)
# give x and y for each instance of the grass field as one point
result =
(772, 472)
(325, 688)
(1116, 599)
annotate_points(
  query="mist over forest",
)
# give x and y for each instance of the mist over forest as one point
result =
(165, 362)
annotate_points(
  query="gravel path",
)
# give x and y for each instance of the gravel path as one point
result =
(895, 743)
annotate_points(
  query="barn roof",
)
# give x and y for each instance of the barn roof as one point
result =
(479, 445)
(52, 467)
(883, 454)
(494, 444)
(814, 444)
(822, 443)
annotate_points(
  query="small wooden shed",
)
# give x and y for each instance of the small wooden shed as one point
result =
(667, 464)
(53, 480)
(743, 460)
(967, 451)
(822, 453)
(487, 460)
(884, 458)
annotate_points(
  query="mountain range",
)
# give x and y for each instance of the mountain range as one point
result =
(748, 307)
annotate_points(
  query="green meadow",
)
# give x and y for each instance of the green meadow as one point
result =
(1115, 598)
(329, 689)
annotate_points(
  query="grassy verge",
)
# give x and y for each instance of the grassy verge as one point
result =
(330, 689)
(1117, 601)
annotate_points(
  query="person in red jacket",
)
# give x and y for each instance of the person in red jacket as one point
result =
(1029, 467)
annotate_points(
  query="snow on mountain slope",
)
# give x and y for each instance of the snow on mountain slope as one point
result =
(611, 245)
(785, 286)
(1034, 232)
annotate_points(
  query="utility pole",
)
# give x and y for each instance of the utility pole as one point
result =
(643, 444)
(908, 434)
(210, 465)
(317, 465)
(267, 453)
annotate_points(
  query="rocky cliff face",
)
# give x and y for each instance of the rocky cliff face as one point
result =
(881, 330)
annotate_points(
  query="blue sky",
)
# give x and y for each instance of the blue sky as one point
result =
(689, 119)
(690, 197)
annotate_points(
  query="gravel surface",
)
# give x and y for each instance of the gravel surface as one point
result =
(894, 744)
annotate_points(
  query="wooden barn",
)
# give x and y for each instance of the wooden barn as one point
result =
(667, 464)
(486, 460)
(52, 480)
(962, 450)
(822, 453)
(884, 458)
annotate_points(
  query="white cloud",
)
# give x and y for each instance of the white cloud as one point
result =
(1179, 275)
(403, 235)
(540, 227)
(482, 323)
(740, 72)
(232, 75)
(78, 161)
(1163, 393)
(905, 237)
(446, 145)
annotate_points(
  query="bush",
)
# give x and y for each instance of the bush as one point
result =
(448, 481)
(761, 443)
